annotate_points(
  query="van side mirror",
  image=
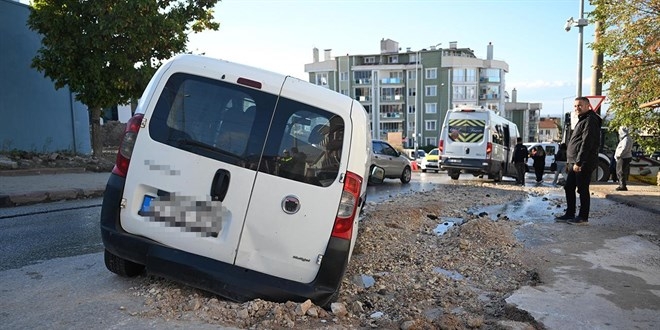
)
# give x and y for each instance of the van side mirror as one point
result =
(376, 175)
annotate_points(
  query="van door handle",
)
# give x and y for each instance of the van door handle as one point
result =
(220, 185)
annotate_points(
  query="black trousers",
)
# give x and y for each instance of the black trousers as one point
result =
(538, 170)
(578, 181)
(623, 170)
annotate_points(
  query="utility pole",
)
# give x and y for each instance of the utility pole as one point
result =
(597, 74)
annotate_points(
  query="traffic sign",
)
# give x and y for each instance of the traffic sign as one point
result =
(595, 102)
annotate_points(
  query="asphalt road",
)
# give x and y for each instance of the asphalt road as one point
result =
(607, 275)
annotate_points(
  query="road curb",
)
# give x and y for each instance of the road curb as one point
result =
(37, 197)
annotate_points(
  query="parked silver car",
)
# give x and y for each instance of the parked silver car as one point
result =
(395, 164)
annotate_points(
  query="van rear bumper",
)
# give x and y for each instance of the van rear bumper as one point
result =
(469, 165)
(229, 281)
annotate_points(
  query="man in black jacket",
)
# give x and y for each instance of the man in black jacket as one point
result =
(581, 160)
(520, 155)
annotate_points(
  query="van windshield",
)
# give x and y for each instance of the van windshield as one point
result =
(466, 130)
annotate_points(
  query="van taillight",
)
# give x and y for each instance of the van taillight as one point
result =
(348, 205)
(489, 149)
(126, 145)
(441, 146)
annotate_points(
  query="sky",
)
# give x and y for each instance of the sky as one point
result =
(529, 35)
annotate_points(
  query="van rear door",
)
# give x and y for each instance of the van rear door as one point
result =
(293, 206)
(465, 135)
(191, 174)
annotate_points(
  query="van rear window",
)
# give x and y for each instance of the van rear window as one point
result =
(230, 123)
(466, 130)
(212, 118)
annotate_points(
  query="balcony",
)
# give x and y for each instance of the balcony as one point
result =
(363, 98)
(391, 81)
(396, 116)
(363, 81)
(391, 98)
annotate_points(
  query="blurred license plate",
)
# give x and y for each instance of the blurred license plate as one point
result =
(146, 204)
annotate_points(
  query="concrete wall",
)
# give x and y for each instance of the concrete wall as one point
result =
(34, 116)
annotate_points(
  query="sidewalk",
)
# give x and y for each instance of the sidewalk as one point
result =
(62, 184)
(32, 187)
(640, 195)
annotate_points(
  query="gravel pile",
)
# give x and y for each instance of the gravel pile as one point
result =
(422, 261)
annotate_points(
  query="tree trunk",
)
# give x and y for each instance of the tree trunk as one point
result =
(97, 138)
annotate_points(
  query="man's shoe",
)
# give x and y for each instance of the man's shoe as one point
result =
(564, 218)
(578, 221)
(621, 189)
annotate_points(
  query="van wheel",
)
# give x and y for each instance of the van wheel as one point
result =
(497, 176)
(454, 174)
(122, 267)
(406, 175)
(423, 170)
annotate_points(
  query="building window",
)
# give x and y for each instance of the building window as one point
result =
(471, 93)
(412, 75)
(431, 73)
(369, 60)
(343, 76)
(362, 77)
(411, 109)
(344, 91)
(412, 91)
(470, 75)
(490, 92)
(459, 75)
(430, 108)
(430, 141)
(489, 75)
(322, 79)
(413, 58)
(391, 94)
(459, 93)
(430, 125)
(393, 59)
(431, 90)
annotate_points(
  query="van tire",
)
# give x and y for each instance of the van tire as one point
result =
(122, 267)
(497, 176)
(406, 175)
(454, 174)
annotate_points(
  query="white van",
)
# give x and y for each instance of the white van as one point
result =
(550, 148)
(239, 181)
(477, 141)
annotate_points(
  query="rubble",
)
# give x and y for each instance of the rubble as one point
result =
(402, 275)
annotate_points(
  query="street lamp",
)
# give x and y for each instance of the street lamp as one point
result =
(580, 23)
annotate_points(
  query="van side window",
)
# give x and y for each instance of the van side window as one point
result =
(498, 135)
(550, 150)
(304, 144)
(212, 118)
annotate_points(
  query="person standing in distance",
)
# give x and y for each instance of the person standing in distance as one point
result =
(520, 155)
(623, 156)
(560, 159)
(581, 160)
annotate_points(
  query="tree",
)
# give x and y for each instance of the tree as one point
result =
(106, 51)
(630, 42)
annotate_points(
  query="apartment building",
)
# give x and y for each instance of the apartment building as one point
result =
(409, 92)
(526, 116)
(549, 129)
